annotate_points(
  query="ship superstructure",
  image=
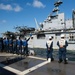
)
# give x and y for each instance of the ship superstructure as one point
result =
(54, 26)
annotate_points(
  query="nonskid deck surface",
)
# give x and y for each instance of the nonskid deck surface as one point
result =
(32, 65)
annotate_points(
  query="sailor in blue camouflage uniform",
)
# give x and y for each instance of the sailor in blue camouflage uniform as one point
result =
(10, 45)
(0, 45)
(49, 45)
(6, 44)
(19, 46)
(14, 46)
(25, 46)
(62, 44)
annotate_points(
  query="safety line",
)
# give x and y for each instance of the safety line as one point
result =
(10, 69)
(37, 58)
(33, 68)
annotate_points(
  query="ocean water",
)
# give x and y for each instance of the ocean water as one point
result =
(40, 52)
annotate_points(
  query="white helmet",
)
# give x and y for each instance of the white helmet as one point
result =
(62, 35)
(50, 37)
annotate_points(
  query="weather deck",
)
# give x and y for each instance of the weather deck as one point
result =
(32, 65)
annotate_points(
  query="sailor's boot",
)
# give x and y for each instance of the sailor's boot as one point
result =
(65, 62)
(52, 59)
(47, 58)
(60, 60)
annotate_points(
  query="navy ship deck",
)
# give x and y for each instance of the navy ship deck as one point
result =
(32, 65)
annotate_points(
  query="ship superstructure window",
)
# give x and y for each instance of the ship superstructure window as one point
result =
(58, 34)
(60, 19)
(40, 36)
(72, 37)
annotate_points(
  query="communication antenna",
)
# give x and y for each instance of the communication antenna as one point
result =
(36, 23)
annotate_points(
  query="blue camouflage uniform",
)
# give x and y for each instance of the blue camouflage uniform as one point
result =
(25, 46)
(10, 45)
(14, 46)
(1, 44)
(19, 46)
(6, 45)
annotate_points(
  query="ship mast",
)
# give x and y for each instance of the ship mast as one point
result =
(73, 18)
(57, 4)
(55, 10)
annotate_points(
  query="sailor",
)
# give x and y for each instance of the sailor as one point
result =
(6, 44)
(19, 45)
(62, 44)
(25, 46)
(1, 44)
(10, 45)
(49, 45)
(14, 45)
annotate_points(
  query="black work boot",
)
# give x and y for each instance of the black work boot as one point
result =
(65, 62)
(52, 59)
(60, 60)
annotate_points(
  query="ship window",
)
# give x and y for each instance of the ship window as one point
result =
(40, 36)
(60, 19)
(71, 37)
(58, 34)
